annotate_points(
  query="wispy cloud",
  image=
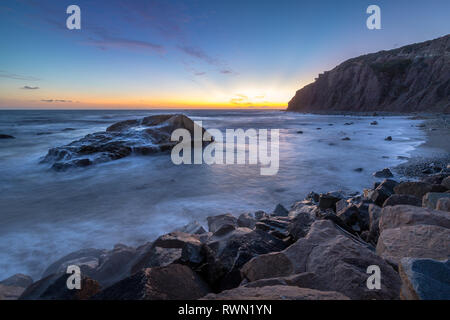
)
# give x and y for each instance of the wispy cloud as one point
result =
(5, 74)
(55, 100)
(29, 88)
(200, 54)
(111, 42)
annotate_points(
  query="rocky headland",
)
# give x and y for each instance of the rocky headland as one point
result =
(319, 248)
(413, 78)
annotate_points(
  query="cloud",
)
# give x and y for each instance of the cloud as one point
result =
(111, 42)
(200, 54)
(55, 100)
(5, 74)
(29, 88)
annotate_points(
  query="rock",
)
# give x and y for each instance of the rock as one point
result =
(405, 215)
(246, 220)
(227, 254)
(217, 222)
(446, 182)
(439, 188)
(374, 219)
(276, 226)
(346, 139)
(6, 136)
(54, 287)
(374, 123)
(328, 200)
(397, 199)
(10, 292)
(315, 197)
(434, 179)
(425, 279)
(173, 282)
(352, 217)
(388, 138)
(193, 227)
(174, 247)
(104, 266)
(382, 191)
(359, 169)
(417, 189)
(431, 198)
(300, 224)
(17, 280)
(406, 79)
(260, 214)
(385, 173)
(145, 136)
(280, 211)
(277, 292)
(339, 260)
(443, 204)
(300, 132)
(416, 241)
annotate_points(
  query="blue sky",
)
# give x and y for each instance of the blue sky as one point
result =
(144, 54)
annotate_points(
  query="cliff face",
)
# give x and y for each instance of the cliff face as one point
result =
(408, 79)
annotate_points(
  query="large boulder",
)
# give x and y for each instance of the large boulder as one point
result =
(431, 199)
(415, 241)
(275, 225)
(397, 199)
(104, 266)
(226, 254)
(425, 279)
(329, 200)
(172, 282)
(226, 221)
(174, 247)
(443, 204)
(416, 189)
(276, 292)
(54, 287)
(145, 136)
(246, 220)
(404, 215)
(338, 259)
(193, 227)
(12, 287)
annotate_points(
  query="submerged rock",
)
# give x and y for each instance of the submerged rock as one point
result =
(6, 136)
(145, 136)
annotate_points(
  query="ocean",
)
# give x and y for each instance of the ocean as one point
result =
(45, 214)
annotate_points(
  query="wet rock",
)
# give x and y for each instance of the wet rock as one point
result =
(260, 214)
(417, 189)
(17, 280)
(339, 260)
(350, 215)
(173, 282)
(54, 287)
(374, 123)
(315, 197)
(443, 204)
(446, 182)
(10, 292)
(193, 227)
(226, 255)
(416, 241)
(425, 279)
(385, 173)
(374, 219)
(346, 139)
(246, 220)
(388, 138)
(145, 136)
(219, 221)
(430, 199)
(6, 136)
(276, 292)
(301, 223)
(407, 199)
(174, 247)
(280, 211)
(359, 169)
(328, 200)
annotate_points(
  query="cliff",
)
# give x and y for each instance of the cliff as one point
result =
(412, 78)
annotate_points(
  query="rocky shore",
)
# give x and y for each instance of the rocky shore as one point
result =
(319, 248)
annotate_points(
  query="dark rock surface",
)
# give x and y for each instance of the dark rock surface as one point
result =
(407, 79)
(145, 136)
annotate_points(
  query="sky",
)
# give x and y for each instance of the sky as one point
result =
(191, 54)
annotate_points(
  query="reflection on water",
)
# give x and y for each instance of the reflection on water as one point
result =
(46, 214)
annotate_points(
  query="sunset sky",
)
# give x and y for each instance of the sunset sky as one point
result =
(187, 54)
